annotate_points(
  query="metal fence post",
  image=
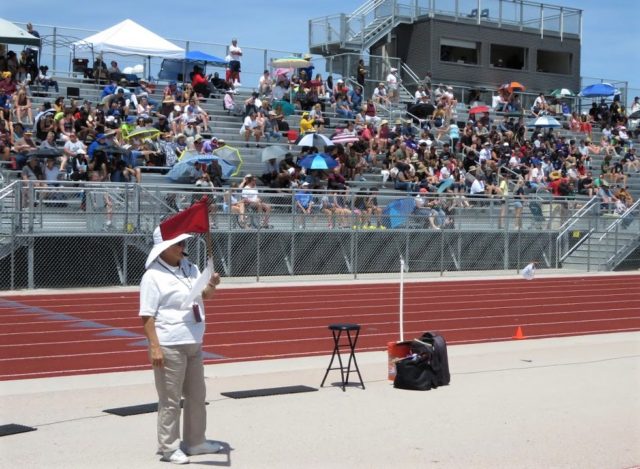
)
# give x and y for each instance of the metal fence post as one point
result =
(30, 264)
(125, 260)
(258, 254)
(441, 253)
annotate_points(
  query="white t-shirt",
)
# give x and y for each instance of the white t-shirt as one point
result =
(250, 194)
(392, 81)
(477, 187)
(162, 290)
(529, 271)
(235, 52)
(73, 147)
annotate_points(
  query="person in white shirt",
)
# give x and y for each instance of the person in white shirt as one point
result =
(251, 126)
(265, 84)
(477, 187)
(235, 53)
(392, 84)
(252, 200)
(380, 94)
(174, 333)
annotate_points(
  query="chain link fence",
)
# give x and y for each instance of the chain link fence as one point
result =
(96, 234)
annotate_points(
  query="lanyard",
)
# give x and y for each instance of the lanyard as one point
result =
(186, 282)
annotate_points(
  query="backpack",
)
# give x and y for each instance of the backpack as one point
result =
(439, 359)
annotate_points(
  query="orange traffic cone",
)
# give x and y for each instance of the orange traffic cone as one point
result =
(519, 334)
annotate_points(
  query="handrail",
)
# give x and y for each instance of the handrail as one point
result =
(6, 191)
(576, 246)
(613, 225)
(569, 224)
(367, 8)
(576, 216)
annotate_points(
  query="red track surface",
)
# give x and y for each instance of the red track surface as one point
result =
(260, 323)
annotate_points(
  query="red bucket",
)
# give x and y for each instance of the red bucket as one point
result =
(396, 351)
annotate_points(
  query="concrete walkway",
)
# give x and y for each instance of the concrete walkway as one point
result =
(549, 403)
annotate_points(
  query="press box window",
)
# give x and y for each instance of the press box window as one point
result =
(554, 62)
(462, 52)
(511, 57)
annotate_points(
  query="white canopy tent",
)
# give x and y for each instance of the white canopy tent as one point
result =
(12, 34)
(129, 38)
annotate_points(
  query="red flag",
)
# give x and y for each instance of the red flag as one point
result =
(195, 219)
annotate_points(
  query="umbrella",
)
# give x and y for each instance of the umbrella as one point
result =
(290, 62)
(45, 152)
(479, 109)
(344, 138)
(513, 86)
(318, 161)
(444, 185)
(397, 212)
(282, 71)
(421, 110)
(143, 132)
(599, 89)
(547, 121)
(273, 152)
(229, 154)
(314, 140)
(635, 115)
(287, 107)
(111, 149)
(184, 170)
(561, 93)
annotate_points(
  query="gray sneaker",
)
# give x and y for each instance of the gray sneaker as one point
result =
(207, 447)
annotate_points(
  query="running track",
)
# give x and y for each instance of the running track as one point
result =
(70, 334)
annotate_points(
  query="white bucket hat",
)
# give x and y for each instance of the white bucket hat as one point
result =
(159, 245)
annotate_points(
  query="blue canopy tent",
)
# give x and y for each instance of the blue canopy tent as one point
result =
(178, 69)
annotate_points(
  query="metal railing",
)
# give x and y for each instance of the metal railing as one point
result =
(99, 234)
(580, 215)
(521, 14)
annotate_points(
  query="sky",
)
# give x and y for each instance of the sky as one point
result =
(609, 27)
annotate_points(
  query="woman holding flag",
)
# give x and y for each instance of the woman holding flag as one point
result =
(172, 312)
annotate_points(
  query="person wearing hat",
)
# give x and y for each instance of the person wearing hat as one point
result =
(174, 333)
(306, 123)
(304, 203)
(392, 84)
(380, 95)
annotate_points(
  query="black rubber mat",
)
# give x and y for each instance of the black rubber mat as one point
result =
(136, 409)
(13, 428)
(268, 392)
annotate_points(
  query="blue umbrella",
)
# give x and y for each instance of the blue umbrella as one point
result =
(397, 212)
(318, 161)
(184, 170)
(599, 90)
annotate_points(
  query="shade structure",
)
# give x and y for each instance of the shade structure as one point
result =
(129, 38)
(318, 161)
(13, 34)
(314, 140)
(562, 93)
(396, 214)
(290, 62)
(45, 152)
(344, 138)
(513, 86)
(231, 155)
(479, 109)
(199, 56)
(421, 110)
(547, 121)
(599, 90)
(273, 152)
(184, 170)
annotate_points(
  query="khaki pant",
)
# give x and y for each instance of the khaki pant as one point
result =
(182, 375)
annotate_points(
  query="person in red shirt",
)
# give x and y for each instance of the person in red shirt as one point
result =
(199, 82)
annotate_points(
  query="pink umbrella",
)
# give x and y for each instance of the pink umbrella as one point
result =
(346, 138)
(282, 71)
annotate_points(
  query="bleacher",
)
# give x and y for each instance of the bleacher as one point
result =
(226, 126)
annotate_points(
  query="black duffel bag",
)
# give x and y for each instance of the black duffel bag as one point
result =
(415, 373)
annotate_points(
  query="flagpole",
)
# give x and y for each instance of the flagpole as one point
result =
(401, 299)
